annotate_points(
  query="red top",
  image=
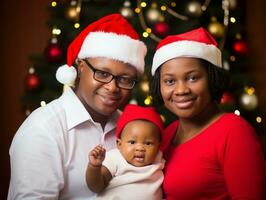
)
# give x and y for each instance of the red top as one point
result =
(224, 161)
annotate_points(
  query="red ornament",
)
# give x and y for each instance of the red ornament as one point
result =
(53, 52)
(32, 82)
(240, 47)
(161, 28)
(227, 98)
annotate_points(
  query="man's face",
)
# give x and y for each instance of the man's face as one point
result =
(102, 99)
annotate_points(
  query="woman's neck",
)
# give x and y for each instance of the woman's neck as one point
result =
(190, 127)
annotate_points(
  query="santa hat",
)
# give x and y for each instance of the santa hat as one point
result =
(110, 37)
(134, 112)
(197, 43)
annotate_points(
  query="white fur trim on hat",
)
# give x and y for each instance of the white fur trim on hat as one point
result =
(187, 48)
(66, 75)
(114, 46)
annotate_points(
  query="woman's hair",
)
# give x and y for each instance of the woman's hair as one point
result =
(218, 82)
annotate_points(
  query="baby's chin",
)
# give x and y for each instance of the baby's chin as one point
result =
(139, 163)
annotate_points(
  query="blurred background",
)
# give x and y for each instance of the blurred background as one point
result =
(35, 36)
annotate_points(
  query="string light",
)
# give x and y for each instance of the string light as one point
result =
(31, 70)
(148, 30)
(76, 25)
(56, 31)
(259, 119)
(173, 4)
(232, 58)
(137, 10)
(53, 3)
(232, 20)
(143, 4)
(237, 112)
(163, 8)
(145, 34)
(43, 103)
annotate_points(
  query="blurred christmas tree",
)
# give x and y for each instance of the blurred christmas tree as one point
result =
(153, 19)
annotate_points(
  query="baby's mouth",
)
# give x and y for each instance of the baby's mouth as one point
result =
(139, 158)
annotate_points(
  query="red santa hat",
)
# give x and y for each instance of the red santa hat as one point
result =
(134, 112)
(197, 43)
(110, 37)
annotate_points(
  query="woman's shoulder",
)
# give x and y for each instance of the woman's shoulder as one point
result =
(234, 126)
(231, 120)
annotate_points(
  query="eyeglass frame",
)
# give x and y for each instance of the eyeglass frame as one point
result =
(94, 70)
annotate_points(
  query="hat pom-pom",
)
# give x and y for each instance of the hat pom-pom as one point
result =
(66, 75)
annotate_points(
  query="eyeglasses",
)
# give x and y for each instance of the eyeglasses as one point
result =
(106, 77)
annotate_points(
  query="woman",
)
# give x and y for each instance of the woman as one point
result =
(209, 154)
(49, 151)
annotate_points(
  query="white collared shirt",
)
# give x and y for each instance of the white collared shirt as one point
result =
(49, 153)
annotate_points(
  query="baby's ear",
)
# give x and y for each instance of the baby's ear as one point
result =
(118, 143)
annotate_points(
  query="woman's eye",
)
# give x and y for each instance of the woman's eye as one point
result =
(169, 81)
(192, 78)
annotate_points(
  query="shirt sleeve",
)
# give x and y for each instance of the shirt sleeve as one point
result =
(243, 162)
(36, 166)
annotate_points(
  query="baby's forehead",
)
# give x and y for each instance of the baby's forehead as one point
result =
(143, 126)
(141, 122)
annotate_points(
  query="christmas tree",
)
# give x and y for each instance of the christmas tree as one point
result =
(225, 20)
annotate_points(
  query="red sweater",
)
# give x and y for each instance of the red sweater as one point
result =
(224, 161)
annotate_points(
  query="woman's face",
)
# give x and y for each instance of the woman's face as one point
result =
(184, 87)
(102, 99)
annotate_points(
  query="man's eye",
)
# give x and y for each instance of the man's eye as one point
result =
(103, 74)
(125, 80)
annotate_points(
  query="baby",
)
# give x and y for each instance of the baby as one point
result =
(134, 169)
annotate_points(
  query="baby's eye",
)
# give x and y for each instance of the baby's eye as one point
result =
(148, 143)
(131, 142)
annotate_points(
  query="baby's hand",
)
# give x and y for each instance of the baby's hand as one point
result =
(97, 155)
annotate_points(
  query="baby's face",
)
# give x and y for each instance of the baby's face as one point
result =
(139, 142)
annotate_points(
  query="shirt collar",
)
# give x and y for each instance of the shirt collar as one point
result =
(74, 109)
(76, 113)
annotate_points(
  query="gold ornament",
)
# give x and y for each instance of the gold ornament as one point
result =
(148, 101)
(126, 12)
(145, 86)
(194, 9)
(153, 15)
(216, 29)
(72, 13)
(232, 4)
(249, 102)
